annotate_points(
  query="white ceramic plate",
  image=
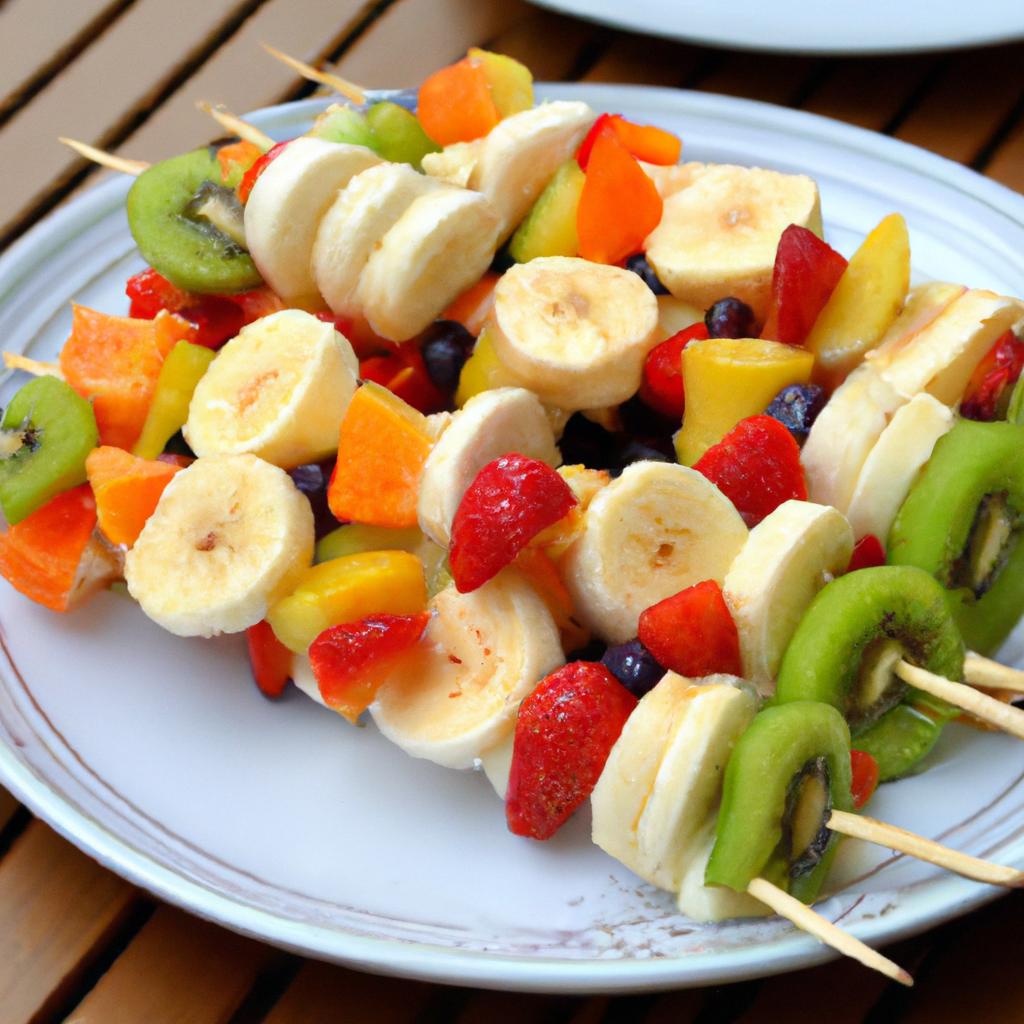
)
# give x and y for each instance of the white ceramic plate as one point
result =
(812, 26)
(158, 756)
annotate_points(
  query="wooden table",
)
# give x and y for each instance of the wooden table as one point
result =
(79, 944)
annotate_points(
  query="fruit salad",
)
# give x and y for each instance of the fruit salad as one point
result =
(556, 456)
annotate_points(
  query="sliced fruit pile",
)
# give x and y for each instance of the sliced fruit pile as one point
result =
(555, 455)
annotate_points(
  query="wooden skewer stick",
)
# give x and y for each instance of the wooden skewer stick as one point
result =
(872, 831)
(347, 89)
(98, 156)
(979, 671)
(237, 126)
(988, 709)
(811, 921)
(14, 361)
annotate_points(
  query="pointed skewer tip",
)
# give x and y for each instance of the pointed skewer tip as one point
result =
(229, 122)
(351, 91)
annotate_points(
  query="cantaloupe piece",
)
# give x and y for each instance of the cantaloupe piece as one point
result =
(127, 490)
(382, 445)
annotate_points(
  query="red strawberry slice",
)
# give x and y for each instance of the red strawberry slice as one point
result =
(693, 632)
(511, 500)
(565, 732)
(269, 659)
(868, 553)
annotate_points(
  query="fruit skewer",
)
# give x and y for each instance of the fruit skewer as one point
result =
(356, 93)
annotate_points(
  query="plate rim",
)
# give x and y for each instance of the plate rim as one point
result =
(940, 900)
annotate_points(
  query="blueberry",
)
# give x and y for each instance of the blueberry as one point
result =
(503, 260)
(639, 265)
(312, 480)
(796, 407)
(730, 318)
(634, 666)
(587, 443)
(446, 345)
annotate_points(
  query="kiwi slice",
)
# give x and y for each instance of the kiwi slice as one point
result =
(46, 433)
(962, 522)
(788, 772)
(175, 236)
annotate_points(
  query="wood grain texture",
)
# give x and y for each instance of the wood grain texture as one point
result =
(177, 970)
(971, 98)
(414, 38)
(8, 805)
(549, 44)
(58, 910)
(761, 76)
(325, 994)
(1007, 162)
(109, 81)
(871, 92)
(645, 60)
(242, 75)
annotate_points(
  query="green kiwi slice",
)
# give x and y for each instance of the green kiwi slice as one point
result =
(787, 773)
(46, 433)
(963, 521)
(174, 234)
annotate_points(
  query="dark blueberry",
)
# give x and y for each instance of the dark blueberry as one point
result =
(730, 318)
(312, 480)
(446, 345)
(639, 265)
(593, 651)
(587, 443)
(635, 450)
(652, 428)
(177, 445)
(503, 260)
(634, 666)
(796, 407)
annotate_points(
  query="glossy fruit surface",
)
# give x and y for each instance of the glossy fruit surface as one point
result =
(269, 659)
(806, 273)
(252, 175)
(661, 386)
(994, 377)
(445, 346)
(397, 135)
(127, 490)
(455, 104)
(565, 731)
(645, 142)
(757, 467)
(796, 407)
(403, 372)
(868, 553)
(730, 318)
(509, 502)
(692, 633)
(634, 666)
(510, 82)
(864, 777)
(638, 264)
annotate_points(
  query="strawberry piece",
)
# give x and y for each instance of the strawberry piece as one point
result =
(511, 500)
(351, 661)
(269, 659)
(252, 175)
(868, 553)
(865, 777)
(564, 734)
(645, 142)
(661, 386)
(404, 373)
(150, 292)
(997, 372)
(693, 632)
(805, 275)
(756, 466)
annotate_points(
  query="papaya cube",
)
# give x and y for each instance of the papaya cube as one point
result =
(115, 361)
(127, 490)
(346, 590)
(728, 379)
(53, 556)
(382, 445)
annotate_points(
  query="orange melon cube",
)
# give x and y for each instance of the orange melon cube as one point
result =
(127, 490)
(382, 445)
(115, 361)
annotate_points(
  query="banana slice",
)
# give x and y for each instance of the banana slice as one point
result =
(441, 245)
(788, 557)
(359, 218)
(285, 207)
(708, 903)
(843, 435)
(941, 357)
(492, 424)
(669, 180)
(574, 332)
(303, 678)
(230, 536)
(893, 464)
(278, 390)
(658, 529)
(718, 236)
(497, 764)
(521, 154)
(455, 163)
(488, 650)
(663, 778)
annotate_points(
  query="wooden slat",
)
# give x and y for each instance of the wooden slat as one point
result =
(134, 57)
(508, 1008)
(414, 38)
(177, 970)
(8, 805)
(325, 994)
(678, 1007)
(58, 909)
(549, 44)
(1007, 163)
(871, 92)
(645, 60)
(972, 97)
(761, 76)
(242, 75)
